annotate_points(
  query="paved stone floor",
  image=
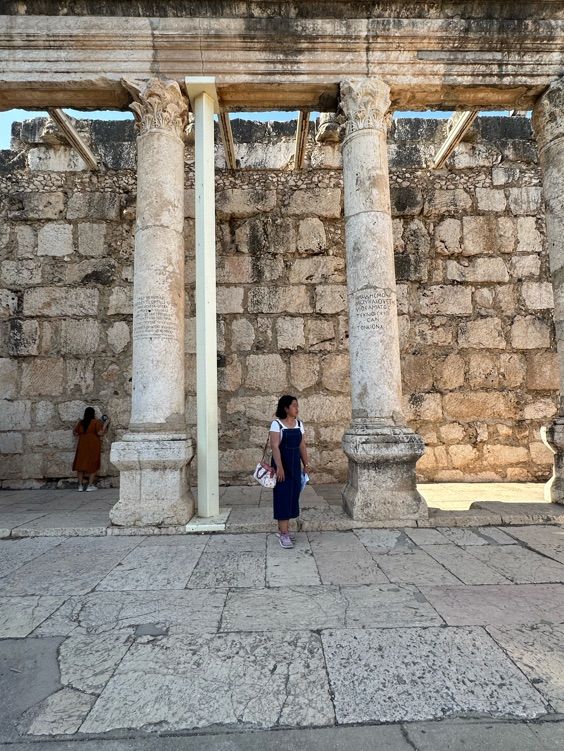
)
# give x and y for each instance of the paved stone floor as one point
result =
(445, 638)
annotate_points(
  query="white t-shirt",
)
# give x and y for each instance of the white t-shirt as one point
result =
(278, 427)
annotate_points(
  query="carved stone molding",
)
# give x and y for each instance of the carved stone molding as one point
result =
(158, 104)
(548, 115)
(365, 102)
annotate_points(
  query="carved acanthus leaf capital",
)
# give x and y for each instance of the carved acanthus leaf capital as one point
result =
(548, 114)
(158, 104)
(365, 102)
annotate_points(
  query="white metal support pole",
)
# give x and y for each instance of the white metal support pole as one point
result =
(206, 334)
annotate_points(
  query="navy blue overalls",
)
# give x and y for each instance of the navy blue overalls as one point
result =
(286, 495)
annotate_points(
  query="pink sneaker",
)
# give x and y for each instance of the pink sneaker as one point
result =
(285, 541)
(291, 535)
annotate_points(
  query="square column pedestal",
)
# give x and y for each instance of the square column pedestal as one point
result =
(381, 478)
(154, 488)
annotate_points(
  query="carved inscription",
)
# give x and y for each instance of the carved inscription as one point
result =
(372, 308)
(154, 318)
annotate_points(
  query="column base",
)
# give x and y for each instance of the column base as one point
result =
(553, 437)
(154, 488)
(381, 481)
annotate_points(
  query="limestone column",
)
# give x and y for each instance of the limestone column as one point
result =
(152, 456)
(381, 449)
(548, 123)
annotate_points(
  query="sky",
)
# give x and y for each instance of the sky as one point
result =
(10, 116)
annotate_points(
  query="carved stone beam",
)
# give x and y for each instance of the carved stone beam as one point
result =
(227, 138)
(301, 139)
(71, 135)
(457, 126)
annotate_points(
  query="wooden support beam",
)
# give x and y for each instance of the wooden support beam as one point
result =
(70, 133)
(457, 126)
(301, 139)
(227, 138)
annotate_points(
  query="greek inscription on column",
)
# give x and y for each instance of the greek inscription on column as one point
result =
(154, 318)
(372, 308)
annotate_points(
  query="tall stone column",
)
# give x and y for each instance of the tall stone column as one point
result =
(548, 123)
(152, 456)
(381, 449)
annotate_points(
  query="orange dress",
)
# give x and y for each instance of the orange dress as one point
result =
(89, 447)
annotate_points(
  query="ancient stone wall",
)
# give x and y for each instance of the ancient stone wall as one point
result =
(479, 369)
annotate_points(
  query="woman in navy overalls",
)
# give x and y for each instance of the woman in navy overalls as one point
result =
(288, 453)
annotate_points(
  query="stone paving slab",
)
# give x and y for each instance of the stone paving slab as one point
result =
(185, 611)
(146, 568)
(520, 565)
(523, 513)
(76, 524)
(544, 539)
(498, 604)
(319, 607)
(290, 567)
(538, 650)
(416, 567)
(470, 537)
(279, 679)
(244, 569)
(19, 616)
(385, 541)
(464, 565)
(485, 736)
(16, 553)
(355, 567)
(416, 674)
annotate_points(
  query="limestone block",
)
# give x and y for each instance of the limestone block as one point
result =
(304, 371)
(290, 333)
(330, 298)
(311, 236)
(237, 203)
(229, 300)
(257, 408)
(541, 454)
(118, 336)
(484, 299)
(406, 200)
(484, 333)
(436, 331)
(60, 301)
(490, 200)
(487, 235)
(422, 406)
(537, 295)
(58, 439)
(482, 370)
(480, 405)
(23, 337)
(446, 300)
(530, 333)
(80, 337)
(242, 335)
(448, 234)
(229, 376)
(15, 415)
(281, 236)
(24, 272)
(543, 372)
(512, 368)
(325, 409)
(470, 155)
(238, 269)
(121, 301)
(11, 443)
(452, 433)
(80, 376)
(266, 373)
(402, 298)
(461, 455)
(8, 378)
(39, 205)
(44, 412)
(26, 241)
(335, 372)
(529, 239)
(449, 373)
(525, 200)
(478, 270)
(541, 409)
(441, 202)
(91, 239)
(61, 159)
(505, 175)
(317, 270)
(72, 411)
(8, 303)
(320, 202)
(294, 299)
(499, 455)
(93, 271)
(506, 299)
(94, 205)
(42, 376)
(524, 267)
(320, 335)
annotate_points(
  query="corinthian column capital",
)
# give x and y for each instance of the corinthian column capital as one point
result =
(548, 115)
(158, 105)
(365, 102)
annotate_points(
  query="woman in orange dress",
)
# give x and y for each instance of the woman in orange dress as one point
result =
(89, 432)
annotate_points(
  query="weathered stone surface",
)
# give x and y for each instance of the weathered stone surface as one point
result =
(304, 371)
(311, 236)
(8, 378)
(240, 204)
(55, 239)
(528, 332)
(519, 565)
(43, 377)
(60, 301)
(476, 405)
(118, 336)
(487, 234)
(290, 333)
(91, 239)
(441, 202)
(61, 713)
(266, 372)
(317, 202)
(121, 301)
(537, 295)
(525, 200)
(79, 337)
(483, 333)
(19, 616)
(94, 206)
(443, 300)
(458, 671)
(478, 270)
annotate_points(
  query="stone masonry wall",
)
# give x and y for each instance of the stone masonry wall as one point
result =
(478, 363)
